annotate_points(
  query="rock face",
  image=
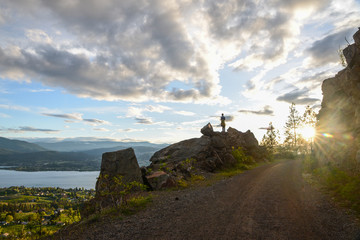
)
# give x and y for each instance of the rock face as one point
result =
(339, 118)
(121, 163)
(209, 152)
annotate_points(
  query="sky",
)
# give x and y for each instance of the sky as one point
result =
(158, 71)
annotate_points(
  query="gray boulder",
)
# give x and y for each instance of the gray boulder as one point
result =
(210, 152)
(120, 163)
(207, 130)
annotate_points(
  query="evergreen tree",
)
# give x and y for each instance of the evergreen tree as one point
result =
(291, 126)
(309, 117)
(309, 122)
(271, 138)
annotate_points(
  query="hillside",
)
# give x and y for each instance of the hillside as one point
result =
(67, 155)
(8, 146)
(50, 161)
(77, 146)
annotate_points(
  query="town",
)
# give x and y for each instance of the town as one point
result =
(30, 213)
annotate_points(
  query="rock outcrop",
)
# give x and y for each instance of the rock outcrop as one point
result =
(338, 128)
(117, 168)
(114, 164)
(208, 153)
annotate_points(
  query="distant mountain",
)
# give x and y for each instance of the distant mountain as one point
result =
(143, 153)
(67, 155)
(50, 161)
(8, 146)
(79, 146)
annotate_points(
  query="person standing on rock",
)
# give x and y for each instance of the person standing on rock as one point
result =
(222, 119)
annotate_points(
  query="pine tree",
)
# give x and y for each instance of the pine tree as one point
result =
(271, 138)
(309, 117)
(291, 126)
(309, 121)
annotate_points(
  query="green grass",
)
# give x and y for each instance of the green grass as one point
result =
(343, 186)
(135, 205)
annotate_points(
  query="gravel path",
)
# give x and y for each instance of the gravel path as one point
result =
(269, 202)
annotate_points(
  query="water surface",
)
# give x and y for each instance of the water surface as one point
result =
(62, 179)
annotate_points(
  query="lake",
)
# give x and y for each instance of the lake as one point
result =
(62, 179)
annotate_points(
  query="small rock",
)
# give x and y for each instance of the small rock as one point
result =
(207, 130)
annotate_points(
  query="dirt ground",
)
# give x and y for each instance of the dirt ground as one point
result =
(269, 202)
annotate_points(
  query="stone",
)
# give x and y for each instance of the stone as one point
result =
(207, 130)
(120, 163)
(159, 180)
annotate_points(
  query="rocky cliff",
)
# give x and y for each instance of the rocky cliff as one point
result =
(210, 152)
(338, 128)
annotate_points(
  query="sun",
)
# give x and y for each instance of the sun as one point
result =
(307, 132)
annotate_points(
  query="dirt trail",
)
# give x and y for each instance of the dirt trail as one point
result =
(269, 202)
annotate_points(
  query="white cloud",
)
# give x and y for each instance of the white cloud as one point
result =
(3, 115)
(185, 113)
(14, 107)
(135, 51)
(101, 129)
(130, 130)
(38, 36)
(41, 90)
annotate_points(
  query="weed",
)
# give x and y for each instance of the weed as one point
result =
(135, 204)
(182, 183)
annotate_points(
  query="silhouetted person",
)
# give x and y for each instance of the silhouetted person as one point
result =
(222, 119)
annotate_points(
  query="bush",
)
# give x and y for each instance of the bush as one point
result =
(243, 161)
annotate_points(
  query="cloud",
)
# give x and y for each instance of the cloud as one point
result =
(298, 96)
(323, 51)
(185, 113)
(267, 110)
(78, 116)
(3, 115)
(96, 122)
(130, 130)
(29, 129)
(14, 107)
(144, 121)
(72, 116)
(37, 35)
(101, 129)
(41, 90)
(157, 108)
(136, 50)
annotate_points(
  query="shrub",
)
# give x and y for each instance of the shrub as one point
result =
(242, 160)
(117, 191)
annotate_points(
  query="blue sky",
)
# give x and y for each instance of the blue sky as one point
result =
(160, 70)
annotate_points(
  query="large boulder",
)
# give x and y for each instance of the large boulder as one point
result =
(115, 166)
(122, 164)
(210, 152)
